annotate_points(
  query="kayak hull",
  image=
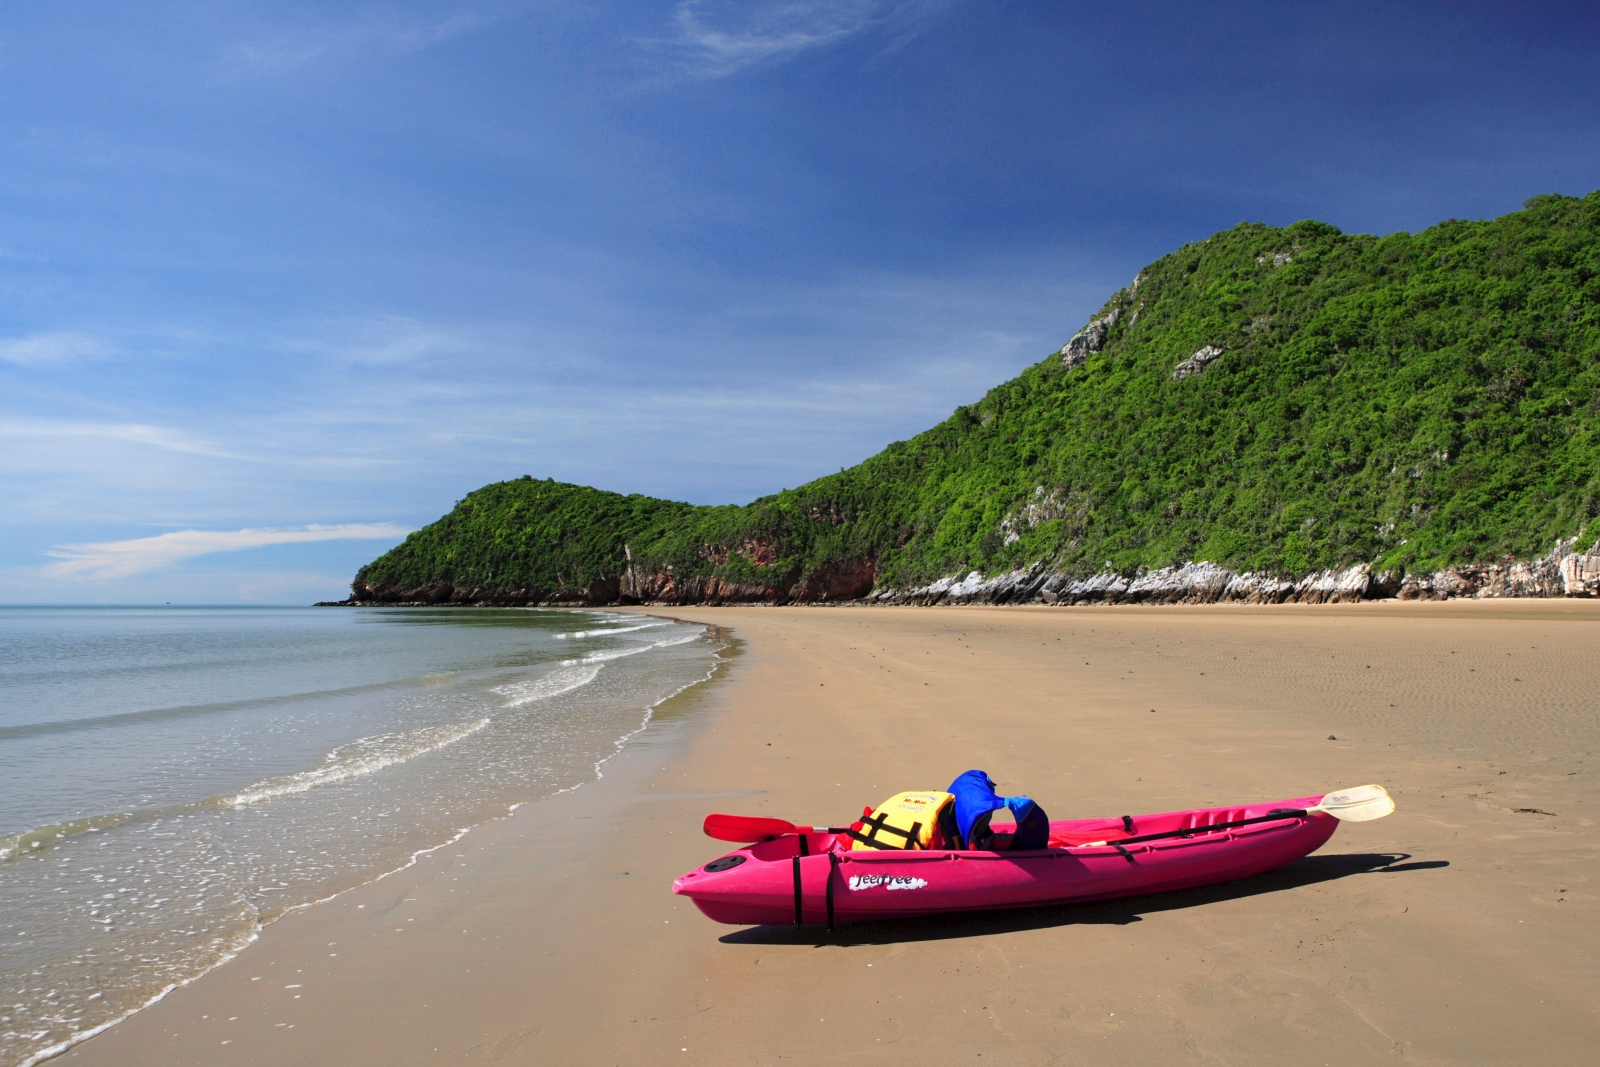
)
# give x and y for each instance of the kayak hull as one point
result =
(774, 883)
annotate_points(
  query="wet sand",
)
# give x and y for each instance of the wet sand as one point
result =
(1462, 929)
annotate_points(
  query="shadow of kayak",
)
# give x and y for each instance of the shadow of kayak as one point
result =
(1121, 912)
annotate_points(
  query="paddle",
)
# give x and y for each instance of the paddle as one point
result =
(1361, 803)
(754, 828)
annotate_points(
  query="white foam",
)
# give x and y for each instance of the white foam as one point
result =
(612, 630)
(684, 640)
(31, 842)
(649, 712)
(360, 758)
(550, 685)
(633, 650)
(608, 654)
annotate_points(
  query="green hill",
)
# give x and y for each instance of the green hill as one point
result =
(1268, 400)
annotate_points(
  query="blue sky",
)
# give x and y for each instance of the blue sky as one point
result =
(281, 281)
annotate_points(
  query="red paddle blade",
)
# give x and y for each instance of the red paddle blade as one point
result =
(745, 828)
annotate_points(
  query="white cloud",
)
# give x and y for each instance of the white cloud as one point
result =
(41, 348)
(719, 37)
(120, 559)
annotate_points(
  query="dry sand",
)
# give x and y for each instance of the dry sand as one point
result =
(1462, 929)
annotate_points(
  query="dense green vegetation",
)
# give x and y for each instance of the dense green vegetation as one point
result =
(1416, 400)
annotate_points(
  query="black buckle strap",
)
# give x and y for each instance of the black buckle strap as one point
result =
(799, 919)
(833, 865)
(881, 823)
(1125, 853)
(799, 913)
(1127, 824)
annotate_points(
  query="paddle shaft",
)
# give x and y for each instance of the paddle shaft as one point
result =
(1273, 816)
(746, 828)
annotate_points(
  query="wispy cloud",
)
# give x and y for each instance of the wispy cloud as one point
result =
(385, 340)
(41, 348)
(715, 38)
(120, 559)
(134, 433)
(393, 32)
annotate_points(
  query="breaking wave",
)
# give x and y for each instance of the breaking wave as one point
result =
(633, 650)
(564, 680)
(611, 630)
(358, 759)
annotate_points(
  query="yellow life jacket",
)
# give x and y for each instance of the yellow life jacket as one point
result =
(907, 820)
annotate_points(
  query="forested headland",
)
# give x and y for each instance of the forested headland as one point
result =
(1279, 404)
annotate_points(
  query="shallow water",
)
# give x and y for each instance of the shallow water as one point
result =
(173, 778)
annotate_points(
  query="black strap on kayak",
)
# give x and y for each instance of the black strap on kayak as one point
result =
(799, 918)
(1125, 853)
(1127, 824)
(833, 865)
(1195, 831)
(805, 849)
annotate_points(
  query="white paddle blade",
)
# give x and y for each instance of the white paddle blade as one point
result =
(1361, 803)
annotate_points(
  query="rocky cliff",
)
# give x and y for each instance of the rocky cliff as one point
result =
(1562, 573)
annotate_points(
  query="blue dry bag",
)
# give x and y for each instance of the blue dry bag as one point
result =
(976, 801)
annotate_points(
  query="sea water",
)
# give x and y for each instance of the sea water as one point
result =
(171, 779)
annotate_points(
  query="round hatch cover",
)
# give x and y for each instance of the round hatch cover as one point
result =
(726, 863)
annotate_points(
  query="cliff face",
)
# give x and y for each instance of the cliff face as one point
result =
(852, 580)
(1562, 573)
(1313, 415)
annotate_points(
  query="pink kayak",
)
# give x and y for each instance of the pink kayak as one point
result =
(814, 877)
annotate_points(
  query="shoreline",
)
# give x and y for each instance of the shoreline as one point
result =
(723, 649)
(565, 956)
(671, 716)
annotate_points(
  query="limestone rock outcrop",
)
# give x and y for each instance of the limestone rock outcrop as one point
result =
(1196, 364)
(1580, 575)
(1561, 573)
(1090, 339)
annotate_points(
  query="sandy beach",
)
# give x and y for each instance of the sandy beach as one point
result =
(1461, 930)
